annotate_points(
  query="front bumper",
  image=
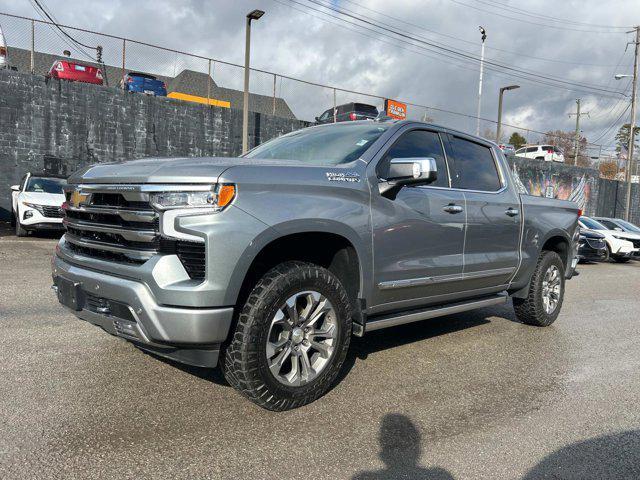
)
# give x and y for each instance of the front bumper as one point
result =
(127, 309)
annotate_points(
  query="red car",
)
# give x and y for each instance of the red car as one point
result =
(76, 72)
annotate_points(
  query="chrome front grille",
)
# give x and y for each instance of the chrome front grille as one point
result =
(112, 226)
(52, 212)
(122, 227)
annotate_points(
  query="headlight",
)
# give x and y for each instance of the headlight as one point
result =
(33, 205)
(217, 198)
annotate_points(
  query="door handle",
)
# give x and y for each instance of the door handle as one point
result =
(452, 209)
(512, 212)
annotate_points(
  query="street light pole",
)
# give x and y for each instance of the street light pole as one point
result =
(483, 32)
(502, 90)
(253, 15)
(634, 88)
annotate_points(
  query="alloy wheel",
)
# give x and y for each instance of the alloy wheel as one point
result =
(302, 338)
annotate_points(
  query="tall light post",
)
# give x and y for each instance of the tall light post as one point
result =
(483, 34)
(634, 88)
(253, 15)
(502, 90)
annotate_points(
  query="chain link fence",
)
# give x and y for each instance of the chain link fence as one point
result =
(34, 45)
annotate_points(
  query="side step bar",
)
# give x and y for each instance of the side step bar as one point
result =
(411, 316)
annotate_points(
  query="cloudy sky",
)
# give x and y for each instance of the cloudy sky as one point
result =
(570, 44)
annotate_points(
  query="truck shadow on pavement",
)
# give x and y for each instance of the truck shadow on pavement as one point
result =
(608, 457)
(377, 341)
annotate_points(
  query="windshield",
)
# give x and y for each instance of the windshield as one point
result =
(592, 224)
(327, 145)
(45, 185)
(629, 226)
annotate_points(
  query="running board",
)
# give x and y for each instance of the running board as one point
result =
(411, 316)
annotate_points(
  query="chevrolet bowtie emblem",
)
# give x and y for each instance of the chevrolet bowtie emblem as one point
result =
(78, 198)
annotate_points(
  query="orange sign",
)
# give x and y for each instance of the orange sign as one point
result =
(394, 109)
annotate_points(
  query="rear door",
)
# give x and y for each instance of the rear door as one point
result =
(492, 240)
(417, 236)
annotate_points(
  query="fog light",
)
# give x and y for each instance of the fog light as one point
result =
(27, 214)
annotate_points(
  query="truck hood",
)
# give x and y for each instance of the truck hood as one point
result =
(42, 198)
(167, 170)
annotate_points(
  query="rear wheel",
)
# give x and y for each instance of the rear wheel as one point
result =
(542, 305)
(291, 338)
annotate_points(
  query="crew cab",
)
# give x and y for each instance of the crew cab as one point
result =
(267, 264)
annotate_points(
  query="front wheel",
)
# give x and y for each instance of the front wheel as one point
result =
(291, 337)
(20, 230)
(542, 305)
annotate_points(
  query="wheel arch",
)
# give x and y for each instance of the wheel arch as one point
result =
(328, 243)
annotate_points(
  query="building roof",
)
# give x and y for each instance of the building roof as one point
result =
(187, 81)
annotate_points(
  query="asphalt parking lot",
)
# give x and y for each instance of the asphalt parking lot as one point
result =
(469, 396)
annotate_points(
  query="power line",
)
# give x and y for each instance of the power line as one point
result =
(615, 122)
(529, 13)
(489, 47)
(546, 25)
(57, 33)
(55, 23)
(516, 72)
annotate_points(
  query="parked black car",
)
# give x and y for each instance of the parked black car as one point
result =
(349, 112)
(592, 247)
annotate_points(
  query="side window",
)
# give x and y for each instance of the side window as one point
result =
(418, 143)
(610, 225)
(325, 115)
(474, 166)
(22, 183)
(532, 149)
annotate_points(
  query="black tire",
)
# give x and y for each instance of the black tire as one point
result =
(20, 230)
(13, 219)
(531, 310)
(244, 361)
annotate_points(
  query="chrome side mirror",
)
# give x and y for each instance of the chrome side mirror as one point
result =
(413, 170)
(409, 171)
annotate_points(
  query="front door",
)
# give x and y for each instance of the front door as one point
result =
(418, 234)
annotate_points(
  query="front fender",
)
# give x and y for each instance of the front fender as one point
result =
(283, 229)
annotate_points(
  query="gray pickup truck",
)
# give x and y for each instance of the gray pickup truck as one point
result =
(267, 264)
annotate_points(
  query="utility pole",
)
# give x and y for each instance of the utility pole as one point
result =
(483, 32)
(634, 89)
(576, 143)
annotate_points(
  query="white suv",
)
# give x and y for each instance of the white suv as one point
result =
(620, 245)
(548, 153)
(37, 203)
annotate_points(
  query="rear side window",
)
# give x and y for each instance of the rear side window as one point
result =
(532, 149)
(475, 168)
(364, 108)
(421, 144)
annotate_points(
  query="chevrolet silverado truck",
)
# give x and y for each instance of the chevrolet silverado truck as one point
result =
(267, 264)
